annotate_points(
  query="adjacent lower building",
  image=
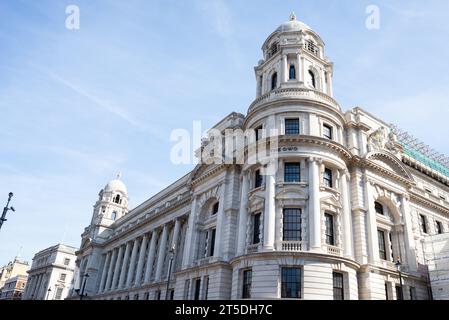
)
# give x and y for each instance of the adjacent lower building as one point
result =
(12, 270)
(51, 274)
(316, 203)
(13, 288)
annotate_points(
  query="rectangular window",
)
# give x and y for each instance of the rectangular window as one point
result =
(291, 127)
(329, 221)
(327, 178)
(386, 292)
(212, 242)
(196, 294)
(259, 133)
(291, 283)
(382, 248)
(338, 286)
(413, 293)
(157, 295)
(206, 287)
(66, 262)
(423, 223)
(399, 295)
(247, 280)
(215, 208)
(379, 208)
(136, 296)
(292, 224)
(146, 296)
(256, 228)
(439, 226)
(258, 179)
(292, 172)
(171, 294)
(58, 295)
(327, 131)
(186, 289)
(62, 276)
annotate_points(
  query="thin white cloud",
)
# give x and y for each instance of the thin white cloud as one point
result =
(102, 103)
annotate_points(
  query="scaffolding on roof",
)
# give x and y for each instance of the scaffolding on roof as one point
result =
(421, 151)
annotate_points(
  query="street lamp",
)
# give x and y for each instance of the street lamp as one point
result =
(84, 286)
(172, 254)
(48, 293)
(398, 265)
(5, 210)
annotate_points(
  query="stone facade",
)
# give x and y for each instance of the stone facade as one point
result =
(13, 288)
(325, 215)
(51, 274)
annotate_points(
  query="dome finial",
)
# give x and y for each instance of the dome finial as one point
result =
(119, 175)
(292, 16)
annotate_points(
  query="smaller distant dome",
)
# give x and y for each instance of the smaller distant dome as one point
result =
(116, 185)
(292, 25)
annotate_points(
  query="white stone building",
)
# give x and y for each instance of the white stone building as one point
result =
(339, 199)
(51, 274)
(437, 256)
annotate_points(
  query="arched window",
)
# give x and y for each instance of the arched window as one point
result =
(292, 72)
(274, 81)
(312, 80)
(114, 215)
(117, 199)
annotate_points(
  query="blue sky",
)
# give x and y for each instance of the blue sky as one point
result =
(79, 106)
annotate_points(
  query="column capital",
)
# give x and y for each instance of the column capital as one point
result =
(315, 160)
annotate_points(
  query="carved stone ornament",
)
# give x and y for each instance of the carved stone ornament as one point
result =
(379, 140)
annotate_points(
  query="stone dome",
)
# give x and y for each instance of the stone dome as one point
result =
(116, 185)
(292, 25)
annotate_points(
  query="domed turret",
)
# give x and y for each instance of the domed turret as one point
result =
(294, 58)
(112, 204)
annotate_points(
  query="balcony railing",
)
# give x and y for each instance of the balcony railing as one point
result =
(252, 248)
(335, 251)
(291, 246)
(294, 93)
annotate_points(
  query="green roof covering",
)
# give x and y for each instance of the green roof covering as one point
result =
(425, 160)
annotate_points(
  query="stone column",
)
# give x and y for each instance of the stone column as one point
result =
(314, 204)
(299, 75)
(104, 272)
(346, 214)
(176, 233)
(284, 70)
(218, 245)
(143, 250)
(243, 218)
(123, 273)
(373, 242)
(188, 252)
(303, 70)
(132, 263)
(162, 253)
(269, 219)
(118, 264)
(150, 260)
(330, 84)
(110, 270)
(408, 238)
